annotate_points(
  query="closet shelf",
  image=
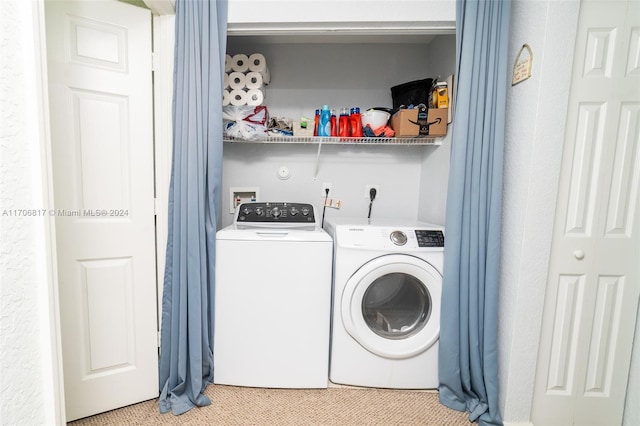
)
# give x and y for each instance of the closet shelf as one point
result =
(337, 140)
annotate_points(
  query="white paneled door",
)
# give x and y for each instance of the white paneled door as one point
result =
(99, 59)
(594, 275)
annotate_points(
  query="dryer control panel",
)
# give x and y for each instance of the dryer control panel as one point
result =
(430, 238)
(272, 213)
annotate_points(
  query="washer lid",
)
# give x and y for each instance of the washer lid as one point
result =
(391, 306)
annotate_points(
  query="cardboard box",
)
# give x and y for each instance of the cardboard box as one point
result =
(437, 121)
(416, 122)
(405, 123)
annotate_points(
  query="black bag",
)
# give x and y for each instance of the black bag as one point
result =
(411, 93)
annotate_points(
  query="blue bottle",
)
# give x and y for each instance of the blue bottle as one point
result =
(324, 126)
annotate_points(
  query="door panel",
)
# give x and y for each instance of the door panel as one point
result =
(594, 278)
(103, 149)
(99, 60)
(565, 337)
(623, 198)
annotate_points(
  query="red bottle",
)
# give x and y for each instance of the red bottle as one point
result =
(334, 125)
(344, 126)
(317, 121)
(356, 123)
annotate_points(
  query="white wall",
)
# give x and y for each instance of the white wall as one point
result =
(29, 391)
(305, 76)
(348, 168)
(435, 162)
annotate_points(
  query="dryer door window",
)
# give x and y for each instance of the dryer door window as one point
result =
(396, 305)
(391, 306)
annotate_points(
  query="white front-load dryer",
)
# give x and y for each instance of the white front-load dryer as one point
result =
(387, 283)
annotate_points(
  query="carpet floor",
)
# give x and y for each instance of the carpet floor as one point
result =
(341, 406)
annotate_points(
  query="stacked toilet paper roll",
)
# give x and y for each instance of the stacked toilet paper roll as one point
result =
(258, 63)
(245, 79)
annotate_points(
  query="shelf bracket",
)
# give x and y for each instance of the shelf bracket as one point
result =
(315, 173)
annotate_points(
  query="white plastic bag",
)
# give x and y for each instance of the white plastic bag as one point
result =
(245, 121)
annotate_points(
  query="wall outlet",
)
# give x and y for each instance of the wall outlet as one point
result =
(325, 186)
(367, 188)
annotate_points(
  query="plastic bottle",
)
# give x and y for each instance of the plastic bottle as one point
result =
(316, 122)
(324, 125)
(334, 124)
(442, 92)
(356, 123)
(344, 127)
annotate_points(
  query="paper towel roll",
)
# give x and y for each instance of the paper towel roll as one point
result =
(238, 97)
(253, 80)
(240, 63)
(258, 63)
(237, 80)
(255, 97)
(225, 84)
(228, 63)
(226, 99)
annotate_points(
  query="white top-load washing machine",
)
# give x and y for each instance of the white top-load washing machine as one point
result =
(386, 303)
(273, 298)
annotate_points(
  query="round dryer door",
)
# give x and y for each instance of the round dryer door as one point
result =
(391, 306)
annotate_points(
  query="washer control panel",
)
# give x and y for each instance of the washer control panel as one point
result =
(275, 213)
(430, 238)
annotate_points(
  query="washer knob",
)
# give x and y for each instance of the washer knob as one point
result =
(398, 238)
(275, 212)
